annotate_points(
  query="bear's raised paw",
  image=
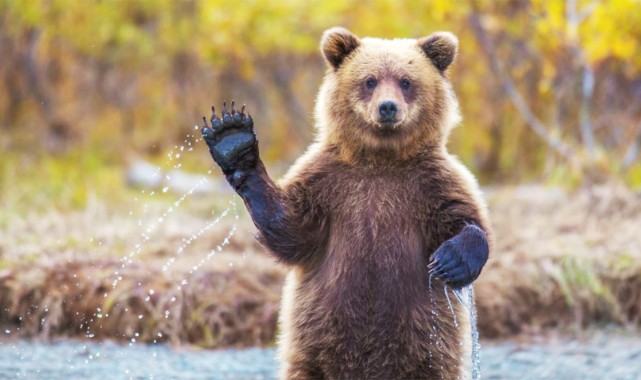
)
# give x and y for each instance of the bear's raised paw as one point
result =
(231, 139)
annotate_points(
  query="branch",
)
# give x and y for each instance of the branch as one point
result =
(587, 130)
(633, 151)
(34, 73)
(534, 123)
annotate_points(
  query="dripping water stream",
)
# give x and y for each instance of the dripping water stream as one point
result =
(465, 296)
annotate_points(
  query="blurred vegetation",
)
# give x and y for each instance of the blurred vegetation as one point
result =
(548, 89)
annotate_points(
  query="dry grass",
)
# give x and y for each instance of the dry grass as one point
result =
(57, 274)
(213, 308)
(562, 260)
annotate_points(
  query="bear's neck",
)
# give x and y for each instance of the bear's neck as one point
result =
(360, 155)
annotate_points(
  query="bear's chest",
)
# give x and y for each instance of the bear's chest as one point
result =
(376, 240)
(375, 207)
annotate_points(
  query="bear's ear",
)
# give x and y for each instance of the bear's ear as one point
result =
(337, 43)
(440, 48)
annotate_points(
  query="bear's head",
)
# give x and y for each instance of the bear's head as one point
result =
(386, 96)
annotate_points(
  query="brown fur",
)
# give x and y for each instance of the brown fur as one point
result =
(370, 206)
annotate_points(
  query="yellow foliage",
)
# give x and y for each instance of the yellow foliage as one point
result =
(152, 67)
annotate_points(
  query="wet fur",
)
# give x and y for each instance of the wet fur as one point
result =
(359, 215)
(361, 308)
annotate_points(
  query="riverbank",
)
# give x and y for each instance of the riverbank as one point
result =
(196, 275)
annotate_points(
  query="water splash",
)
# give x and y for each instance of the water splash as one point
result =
(173, 157)
(219, 248)
(226, 240)
(435, 336)
(466, 298)
(188, 241)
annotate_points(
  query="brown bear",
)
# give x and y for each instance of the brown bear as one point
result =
(374, 220)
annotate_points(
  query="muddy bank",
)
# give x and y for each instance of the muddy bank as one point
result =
(562, 260)
(208, 308)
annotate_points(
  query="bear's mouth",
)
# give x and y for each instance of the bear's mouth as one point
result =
(387, 127)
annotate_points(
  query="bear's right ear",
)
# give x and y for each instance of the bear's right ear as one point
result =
(337, 43)
(440, 48)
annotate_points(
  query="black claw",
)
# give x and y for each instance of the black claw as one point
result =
(450, 265)
(242, 110)
(224, 108)
(205, 122)
(235, 115)
(206, 132)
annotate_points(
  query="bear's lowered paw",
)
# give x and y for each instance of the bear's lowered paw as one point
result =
(459, 260)
(231, 140)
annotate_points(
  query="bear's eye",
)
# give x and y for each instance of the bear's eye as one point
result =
(405, 84)
(370, 83)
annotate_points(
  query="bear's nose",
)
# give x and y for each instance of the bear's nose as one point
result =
(387, 110)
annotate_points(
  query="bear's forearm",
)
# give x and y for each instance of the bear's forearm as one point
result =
(465, 244)
(455, 215)
(280, 230)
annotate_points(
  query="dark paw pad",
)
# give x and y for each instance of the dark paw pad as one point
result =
(231, 145)
(459, 260)
(231, 139)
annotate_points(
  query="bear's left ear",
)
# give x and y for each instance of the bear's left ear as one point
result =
(337, 43)
(440, 48)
